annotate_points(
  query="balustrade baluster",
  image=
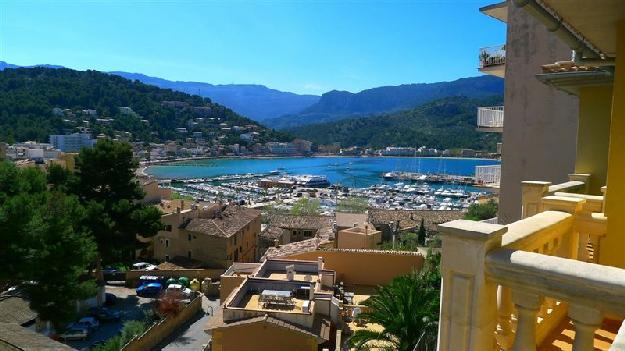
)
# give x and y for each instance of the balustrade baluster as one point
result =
(586, 320)
(504, 310)
(527, 305)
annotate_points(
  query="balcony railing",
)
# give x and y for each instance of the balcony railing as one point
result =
(514, 285)
(488, 175)
(490, 117)
(492, 56)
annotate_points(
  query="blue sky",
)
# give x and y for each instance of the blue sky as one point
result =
(299, 46)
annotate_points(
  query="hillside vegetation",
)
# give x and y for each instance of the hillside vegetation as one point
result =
(337, 105)
(444, 123)
(29, 96)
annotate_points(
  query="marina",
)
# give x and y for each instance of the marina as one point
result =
(331, 181)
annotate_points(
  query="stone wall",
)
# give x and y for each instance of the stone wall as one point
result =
(162, 329)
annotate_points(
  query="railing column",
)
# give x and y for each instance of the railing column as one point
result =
(532, 194)
(571, 245)
(586, 320)
(582, 177)
(505, 309)
(468, 317)
(527, 305)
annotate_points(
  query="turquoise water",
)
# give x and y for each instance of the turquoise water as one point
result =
(349, 171)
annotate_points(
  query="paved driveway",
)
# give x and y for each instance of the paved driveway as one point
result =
(191, 337)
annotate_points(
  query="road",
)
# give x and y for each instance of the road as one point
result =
(191, 337)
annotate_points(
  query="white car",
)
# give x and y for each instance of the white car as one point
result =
(143, 266)
(75, 333)
(186, 292)
(89, 323)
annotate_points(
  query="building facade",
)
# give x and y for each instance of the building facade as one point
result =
(539, 137)
(71, 142)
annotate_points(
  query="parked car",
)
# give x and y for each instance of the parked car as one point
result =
(109, 270)
(105, 314)
(186, 292)
(144, 266)
(89, 323)
(151, 290)
(110, 299)
(75, 333)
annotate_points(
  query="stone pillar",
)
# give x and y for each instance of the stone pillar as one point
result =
(532, 193)
(586, 320)
(581, 177)
(571, 244)
(527, 305)
(468, 317)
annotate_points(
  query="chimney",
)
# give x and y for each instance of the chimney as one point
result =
(319, 263)
(276, 243)
(355, 225)
(182, 204)
(366, 229)
(177, 209)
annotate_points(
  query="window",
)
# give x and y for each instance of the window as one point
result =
(166, 258)
(189, 254)
(235, 239)
(166, 242)
(189, 237)
(168, 227)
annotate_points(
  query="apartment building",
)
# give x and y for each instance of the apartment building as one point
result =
(538, 138)
(214, 235)
(302, 303)
(554, 280)
(71, 142)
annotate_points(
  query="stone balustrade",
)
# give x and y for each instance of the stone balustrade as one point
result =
(532, 192)
(508, 287)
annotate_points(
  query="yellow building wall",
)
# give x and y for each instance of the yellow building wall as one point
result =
(595, 104)
(613, 246)
(351, 240)
(368, 268)
(261, 336)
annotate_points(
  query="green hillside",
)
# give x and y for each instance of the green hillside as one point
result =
(444, 123)
(29, 95)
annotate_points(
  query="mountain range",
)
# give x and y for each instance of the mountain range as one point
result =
(336, 105)
(443, 123)
(251, 100)
(256, 102)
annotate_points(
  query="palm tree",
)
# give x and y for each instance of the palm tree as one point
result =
(407, 308)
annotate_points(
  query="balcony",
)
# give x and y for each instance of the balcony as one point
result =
(488, 175)
(493, 60)
(534, 284)
(490, 119)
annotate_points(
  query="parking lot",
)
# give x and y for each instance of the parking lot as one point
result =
(190, 337)
(131, 307)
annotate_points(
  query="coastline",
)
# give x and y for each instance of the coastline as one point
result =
(144, 165)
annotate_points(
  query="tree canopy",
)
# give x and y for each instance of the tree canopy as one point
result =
(47, 249)
(408, 310)
(482, 211)
(105, 183)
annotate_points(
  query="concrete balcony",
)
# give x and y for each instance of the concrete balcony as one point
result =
(488, 175)
(490, 119)
(493, 60)
(524, 285)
